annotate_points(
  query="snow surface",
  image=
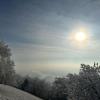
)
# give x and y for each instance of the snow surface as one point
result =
(10, 93)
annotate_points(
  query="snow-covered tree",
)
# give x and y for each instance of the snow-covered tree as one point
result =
(7, 71)
(85, 85)
(59, 89)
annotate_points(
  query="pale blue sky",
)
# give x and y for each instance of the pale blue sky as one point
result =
(37, 31)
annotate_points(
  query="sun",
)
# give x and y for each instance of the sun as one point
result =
(80, 36)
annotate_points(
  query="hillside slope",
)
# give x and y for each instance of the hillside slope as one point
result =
(10, 93)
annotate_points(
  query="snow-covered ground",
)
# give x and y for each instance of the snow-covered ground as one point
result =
(10, 93)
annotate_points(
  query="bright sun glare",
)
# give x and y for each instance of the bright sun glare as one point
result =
(80, 36)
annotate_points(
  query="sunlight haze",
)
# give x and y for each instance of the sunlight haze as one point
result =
(51, 37)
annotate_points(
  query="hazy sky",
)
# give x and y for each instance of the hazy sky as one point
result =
(38, 31)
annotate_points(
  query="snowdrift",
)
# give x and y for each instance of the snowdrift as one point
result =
(10, 93)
